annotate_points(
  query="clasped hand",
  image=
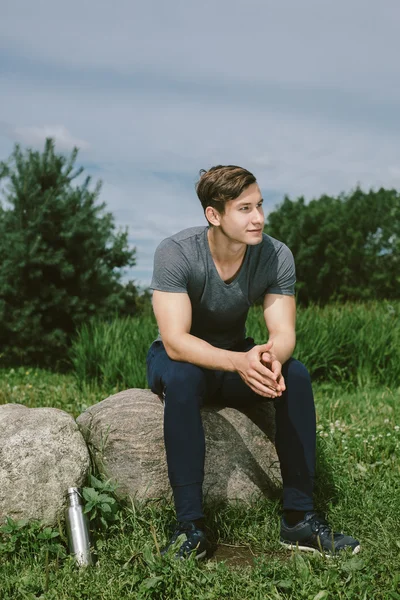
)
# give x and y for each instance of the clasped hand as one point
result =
(261, 371)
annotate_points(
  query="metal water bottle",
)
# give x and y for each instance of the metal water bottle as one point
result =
(77, 528)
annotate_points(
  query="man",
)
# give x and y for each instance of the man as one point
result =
(204, 281)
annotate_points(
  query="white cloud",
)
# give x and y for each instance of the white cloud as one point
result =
(34, 136)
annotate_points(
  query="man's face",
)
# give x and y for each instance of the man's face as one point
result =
(243, 220)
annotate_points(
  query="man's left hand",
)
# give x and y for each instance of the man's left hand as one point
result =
(272, 363)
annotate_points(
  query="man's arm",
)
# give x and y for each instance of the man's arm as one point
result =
(173, 312)
(280, 319)
(174, 317)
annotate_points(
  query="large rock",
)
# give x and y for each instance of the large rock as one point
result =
(42, 454)
(125, 436)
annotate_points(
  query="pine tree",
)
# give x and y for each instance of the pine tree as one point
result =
(60, 257)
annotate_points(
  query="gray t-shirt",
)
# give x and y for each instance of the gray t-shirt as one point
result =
(183, 264)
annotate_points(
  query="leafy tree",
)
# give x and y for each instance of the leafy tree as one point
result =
(136, 301)
(346, 248)
(60, 258)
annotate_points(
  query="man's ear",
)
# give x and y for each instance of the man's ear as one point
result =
(212, 216)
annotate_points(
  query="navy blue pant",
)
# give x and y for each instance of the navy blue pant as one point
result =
(186, 387)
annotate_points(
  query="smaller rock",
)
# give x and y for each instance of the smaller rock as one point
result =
(42, 454)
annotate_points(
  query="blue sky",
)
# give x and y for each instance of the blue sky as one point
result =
(304, 94)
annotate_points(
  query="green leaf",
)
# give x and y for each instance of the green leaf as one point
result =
(354, 564)
(88, 507)
(301, 566)
(284, 584)
(321, 595)
(150, 582)
(90, 494)
(47, 534)
(102, 519)
(148, 556)
(106, 498)
(96, 483)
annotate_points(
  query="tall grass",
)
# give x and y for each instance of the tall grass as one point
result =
(355, 344)
(113, 354)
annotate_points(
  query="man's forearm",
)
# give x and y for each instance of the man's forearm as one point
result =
(196, 351)
(283, 345)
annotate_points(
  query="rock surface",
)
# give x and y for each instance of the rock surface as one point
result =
(42, 454)
(125, 436)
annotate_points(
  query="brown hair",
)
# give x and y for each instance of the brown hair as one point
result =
(222, 183)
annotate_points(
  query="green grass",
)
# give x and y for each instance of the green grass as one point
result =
(38, 387)
(358, 487)
(353, 353)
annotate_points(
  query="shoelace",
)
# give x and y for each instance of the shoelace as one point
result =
(179, 529)
(320, 526)
(188, 544)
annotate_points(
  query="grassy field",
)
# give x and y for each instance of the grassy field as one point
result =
(358, 408)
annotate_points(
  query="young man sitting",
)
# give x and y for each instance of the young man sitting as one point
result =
(204, 281)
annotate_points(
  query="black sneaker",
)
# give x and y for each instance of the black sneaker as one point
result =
(314, 535)
(192, 540)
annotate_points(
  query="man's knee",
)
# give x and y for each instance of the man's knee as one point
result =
(295, 370)
(185, 380)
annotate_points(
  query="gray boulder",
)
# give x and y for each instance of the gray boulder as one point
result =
(125, 437)
(42, 454)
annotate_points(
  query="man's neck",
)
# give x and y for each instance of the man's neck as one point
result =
(223, 250)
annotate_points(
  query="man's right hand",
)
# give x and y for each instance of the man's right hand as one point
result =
(256, 375)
